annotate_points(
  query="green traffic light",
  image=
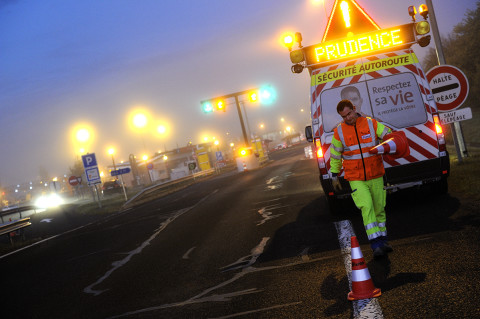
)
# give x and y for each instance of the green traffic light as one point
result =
(267, 95)
(207, 107)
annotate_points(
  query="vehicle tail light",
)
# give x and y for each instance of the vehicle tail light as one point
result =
(320, 157)
(318, 146)
(438, 127)
(319, 152)
(440, 135)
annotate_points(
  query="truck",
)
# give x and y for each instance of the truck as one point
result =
(379, 72)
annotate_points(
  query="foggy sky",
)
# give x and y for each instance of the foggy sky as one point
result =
(65, 63)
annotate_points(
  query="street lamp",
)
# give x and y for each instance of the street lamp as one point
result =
(145, 158)
(139, 121)
(83, 135)
(161, 129)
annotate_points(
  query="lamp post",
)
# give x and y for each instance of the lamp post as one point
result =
(145, 158)
(111, 151)
(165, 158)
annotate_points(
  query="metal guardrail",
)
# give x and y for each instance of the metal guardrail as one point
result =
(10, 227)
(17, 210)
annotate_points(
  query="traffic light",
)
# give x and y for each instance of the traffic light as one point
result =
(253, 96)
(267, 95)
(207, 107)
(220, 105)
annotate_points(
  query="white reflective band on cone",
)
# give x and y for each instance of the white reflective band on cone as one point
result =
(360, 275)
(393, 146)
(380, 149)
(356, 253)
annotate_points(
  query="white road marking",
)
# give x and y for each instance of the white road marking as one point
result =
(119, 263)
(249, 260)
(46, 220)
(267, 214)
(276, 186)
(186, 255)
(224, 297)
(366, 308)
(259, 310)
(271, 180)
(270, 200)
(276, 181)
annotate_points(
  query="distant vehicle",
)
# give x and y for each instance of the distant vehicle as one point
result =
(281, 146)
(112, 187)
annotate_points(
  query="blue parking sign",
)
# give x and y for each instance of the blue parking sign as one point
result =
(89, 160)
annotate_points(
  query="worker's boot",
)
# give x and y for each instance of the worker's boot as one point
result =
(384, 244)
(387, 248)
(377, 247)
(379, 253)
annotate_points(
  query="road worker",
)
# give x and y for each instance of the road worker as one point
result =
(352, 140)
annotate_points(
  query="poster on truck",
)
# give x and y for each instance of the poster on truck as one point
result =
(395, 100)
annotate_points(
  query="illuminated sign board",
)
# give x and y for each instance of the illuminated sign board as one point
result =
(360, 45)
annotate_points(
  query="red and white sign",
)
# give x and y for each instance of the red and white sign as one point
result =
(449, 87)
(455, 116)
(74, 180)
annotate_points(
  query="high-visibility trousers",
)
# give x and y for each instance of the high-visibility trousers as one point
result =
(370, 197)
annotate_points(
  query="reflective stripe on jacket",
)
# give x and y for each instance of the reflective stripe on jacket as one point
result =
(352, 142)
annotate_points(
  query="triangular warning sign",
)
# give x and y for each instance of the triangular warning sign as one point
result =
(347, 17)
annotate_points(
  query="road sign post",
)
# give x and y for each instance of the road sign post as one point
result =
(450, 90)
(74, 180)
(120, 172)
(92, 173)
(456, 127)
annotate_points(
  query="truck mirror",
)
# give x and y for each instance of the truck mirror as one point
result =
(308, 133)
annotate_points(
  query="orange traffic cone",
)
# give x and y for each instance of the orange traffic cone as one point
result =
(245, 167)
(362, 284)
(395, 145)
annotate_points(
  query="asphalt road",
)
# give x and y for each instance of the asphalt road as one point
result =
(259, 244)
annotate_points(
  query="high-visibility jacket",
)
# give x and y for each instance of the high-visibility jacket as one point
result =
(352, 142)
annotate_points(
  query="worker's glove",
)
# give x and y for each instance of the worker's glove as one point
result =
(336, 184)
